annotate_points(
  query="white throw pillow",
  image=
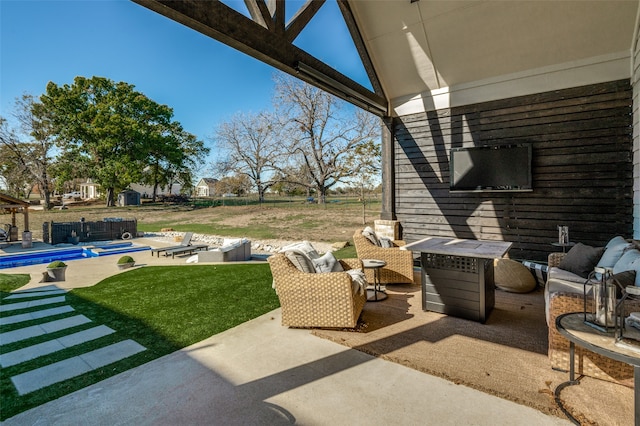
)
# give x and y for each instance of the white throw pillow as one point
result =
(327, 263)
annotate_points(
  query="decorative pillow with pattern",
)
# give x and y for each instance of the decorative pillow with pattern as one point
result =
(300, 261)
(303, 247)
(327, 263)
(370, 235)
(386, 242)
(301, 255)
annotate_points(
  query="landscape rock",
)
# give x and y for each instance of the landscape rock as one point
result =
(257, 246)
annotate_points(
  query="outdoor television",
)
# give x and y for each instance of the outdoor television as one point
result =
(491, 168)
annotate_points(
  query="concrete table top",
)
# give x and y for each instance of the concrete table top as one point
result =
(460, 247)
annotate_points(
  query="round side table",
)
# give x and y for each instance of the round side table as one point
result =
(375, 294)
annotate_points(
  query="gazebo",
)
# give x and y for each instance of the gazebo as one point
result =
(13, 205)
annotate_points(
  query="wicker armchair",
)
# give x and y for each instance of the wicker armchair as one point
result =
(399, 267)
(587, 363)
(326, 300)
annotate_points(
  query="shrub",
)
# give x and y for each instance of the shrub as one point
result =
(57, 264)
(125, 259)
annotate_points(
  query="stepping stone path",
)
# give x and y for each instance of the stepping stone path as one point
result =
(56, 372)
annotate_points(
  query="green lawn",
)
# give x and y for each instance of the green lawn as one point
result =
(10, 282)
(162, 308)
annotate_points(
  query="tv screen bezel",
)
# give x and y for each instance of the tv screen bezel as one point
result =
(505, 188)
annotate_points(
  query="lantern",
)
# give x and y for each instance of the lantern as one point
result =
(603, 291)
(627, 329)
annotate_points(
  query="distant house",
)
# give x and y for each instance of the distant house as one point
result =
(206, 187)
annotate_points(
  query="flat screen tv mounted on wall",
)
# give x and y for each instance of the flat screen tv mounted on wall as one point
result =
(491, 168)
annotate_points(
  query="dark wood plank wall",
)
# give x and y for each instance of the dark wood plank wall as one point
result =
(635, 82)
(582, 169)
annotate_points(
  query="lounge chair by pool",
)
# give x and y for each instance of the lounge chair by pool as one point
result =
(186, 242)
(190, 249)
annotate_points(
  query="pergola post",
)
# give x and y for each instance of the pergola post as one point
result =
(388, 211)
(13, 206)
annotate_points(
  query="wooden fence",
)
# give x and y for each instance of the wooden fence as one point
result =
(108, 229)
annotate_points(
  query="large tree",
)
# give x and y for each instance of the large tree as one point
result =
(108, 130)
(321, 131)
(172, 155)
(28, 151)
(365, 163)
(14, 178)
(250, 145)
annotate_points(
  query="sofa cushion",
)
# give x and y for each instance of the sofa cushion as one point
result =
(231, 242)
(557, 286)
(613, 251)
(556, 273)
(581, 259)
(630, 261)
(327, 263)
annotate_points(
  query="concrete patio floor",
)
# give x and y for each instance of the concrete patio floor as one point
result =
(262, 373)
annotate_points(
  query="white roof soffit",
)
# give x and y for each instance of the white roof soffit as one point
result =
(431, 54)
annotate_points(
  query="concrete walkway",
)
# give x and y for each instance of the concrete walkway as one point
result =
(262, 373)
(65, 369)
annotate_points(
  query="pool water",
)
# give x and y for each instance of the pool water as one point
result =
(67, 253)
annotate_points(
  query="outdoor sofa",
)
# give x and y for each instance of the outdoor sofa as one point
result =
(232, 250)
(564, 293)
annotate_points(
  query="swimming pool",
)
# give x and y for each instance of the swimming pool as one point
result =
(67, 253)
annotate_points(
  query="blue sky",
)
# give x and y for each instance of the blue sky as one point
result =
(203, 80)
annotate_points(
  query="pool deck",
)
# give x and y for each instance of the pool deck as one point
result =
(88, 271)
(16, 247)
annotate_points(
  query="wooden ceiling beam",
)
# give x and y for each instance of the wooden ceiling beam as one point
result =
(279, 16)
(358, 41)
(222, 23)
(302, 18)
(260, 13)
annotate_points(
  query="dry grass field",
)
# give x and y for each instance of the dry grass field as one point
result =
(288, 220)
